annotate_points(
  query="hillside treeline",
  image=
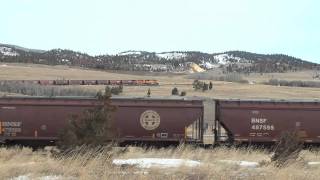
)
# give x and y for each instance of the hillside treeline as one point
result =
(236, 61)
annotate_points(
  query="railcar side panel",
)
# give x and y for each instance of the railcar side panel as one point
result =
(259, 121)
(135, 119)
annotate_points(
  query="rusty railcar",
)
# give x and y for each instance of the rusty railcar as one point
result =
(263, 121)
(136, 119)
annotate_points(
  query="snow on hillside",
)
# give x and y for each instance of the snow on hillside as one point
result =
(8, 51)
(223, 58)
(129, 53)
(65, 60)
(171, 55)
(208, 65)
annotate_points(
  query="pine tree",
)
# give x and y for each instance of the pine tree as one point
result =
(205, 87)
(210, 85)
(93, 127)
(149, 92)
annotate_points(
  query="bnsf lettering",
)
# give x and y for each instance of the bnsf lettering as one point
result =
(11, 124)
(258, 120)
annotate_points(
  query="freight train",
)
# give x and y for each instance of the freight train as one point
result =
(140, 82)
(164, 120)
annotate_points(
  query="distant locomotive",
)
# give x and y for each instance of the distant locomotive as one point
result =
(173, 120)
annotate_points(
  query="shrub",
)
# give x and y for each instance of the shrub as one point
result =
(197, 85)
(149, 92)
(273, 82)
(210, 85)
(296, 83)
(183, 93)
(116, 90)
(175, 91)
(287, 149)
(205, 87)
(231, 77)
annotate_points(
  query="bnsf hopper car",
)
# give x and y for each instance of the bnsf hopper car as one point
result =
(162, 120)
(165, 120)
(263, 121)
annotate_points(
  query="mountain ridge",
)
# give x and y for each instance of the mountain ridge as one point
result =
(132, 60)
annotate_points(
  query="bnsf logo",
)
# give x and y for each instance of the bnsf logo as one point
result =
(150, 120)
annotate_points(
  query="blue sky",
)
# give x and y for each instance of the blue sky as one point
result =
(110, 26)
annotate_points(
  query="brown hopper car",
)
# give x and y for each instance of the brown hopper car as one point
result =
(40, 119)
(258, 121)
(165, 120)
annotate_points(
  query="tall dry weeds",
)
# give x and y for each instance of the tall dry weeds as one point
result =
(91, 163)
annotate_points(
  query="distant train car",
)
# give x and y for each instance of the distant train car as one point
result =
(10, 81)
(127, 82)
(31, 81)
(136, 119)
(103, 82)
(46, 82)
(115, 82)
(75, 82)
(151, 82)
(140, 82)
(90, 82)
(61, 82)
(263, 121)
(87, 82)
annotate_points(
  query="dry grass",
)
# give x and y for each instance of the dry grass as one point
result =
(169, 81)
(98, 164)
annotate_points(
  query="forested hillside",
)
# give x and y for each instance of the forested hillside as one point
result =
(175, 61)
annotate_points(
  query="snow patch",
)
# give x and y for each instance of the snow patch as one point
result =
(156, 162)
(171, 55)
(27, 177)
(130, 53)
(223, 58)
(6, 51)
(241, 163)
(65, 60)
(314, 163)
(208, 65)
